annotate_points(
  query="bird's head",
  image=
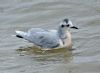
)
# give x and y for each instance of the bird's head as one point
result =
(66, 23)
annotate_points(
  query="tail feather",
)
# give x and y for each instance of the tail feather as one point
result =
(20, 34)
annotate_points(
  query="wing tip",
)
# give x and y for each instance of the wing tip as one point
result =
(19, 36)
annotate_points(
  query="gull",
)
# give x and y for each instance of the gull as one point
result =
(45, 38)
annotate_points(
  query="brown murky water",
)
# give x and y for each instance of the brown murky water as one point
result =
(25, 14)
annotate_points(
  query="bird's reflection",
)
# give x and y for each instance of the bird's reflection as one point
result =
(54, 55)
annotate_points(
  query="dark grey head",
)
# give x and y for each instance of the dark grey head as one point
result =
(67, 23)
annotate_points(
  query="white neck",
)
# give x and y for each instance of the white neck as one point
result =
(66, 38)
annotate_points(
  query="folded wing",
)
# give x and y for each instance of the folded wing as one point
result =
(43, 38)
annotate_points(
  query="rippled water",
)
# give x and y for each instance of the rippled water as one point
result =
(25, 14)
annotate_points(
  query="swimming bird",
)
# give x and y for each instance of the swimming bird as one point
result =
(50, 38)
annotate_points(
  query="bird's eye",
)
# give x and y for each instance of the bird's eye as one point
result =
(62, 25)
(67, 25)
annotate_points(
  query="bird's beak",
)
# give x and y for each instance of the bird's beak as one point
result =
(74, 27)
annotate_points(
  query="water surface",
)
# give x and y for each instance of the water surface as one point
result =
(25, 14)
